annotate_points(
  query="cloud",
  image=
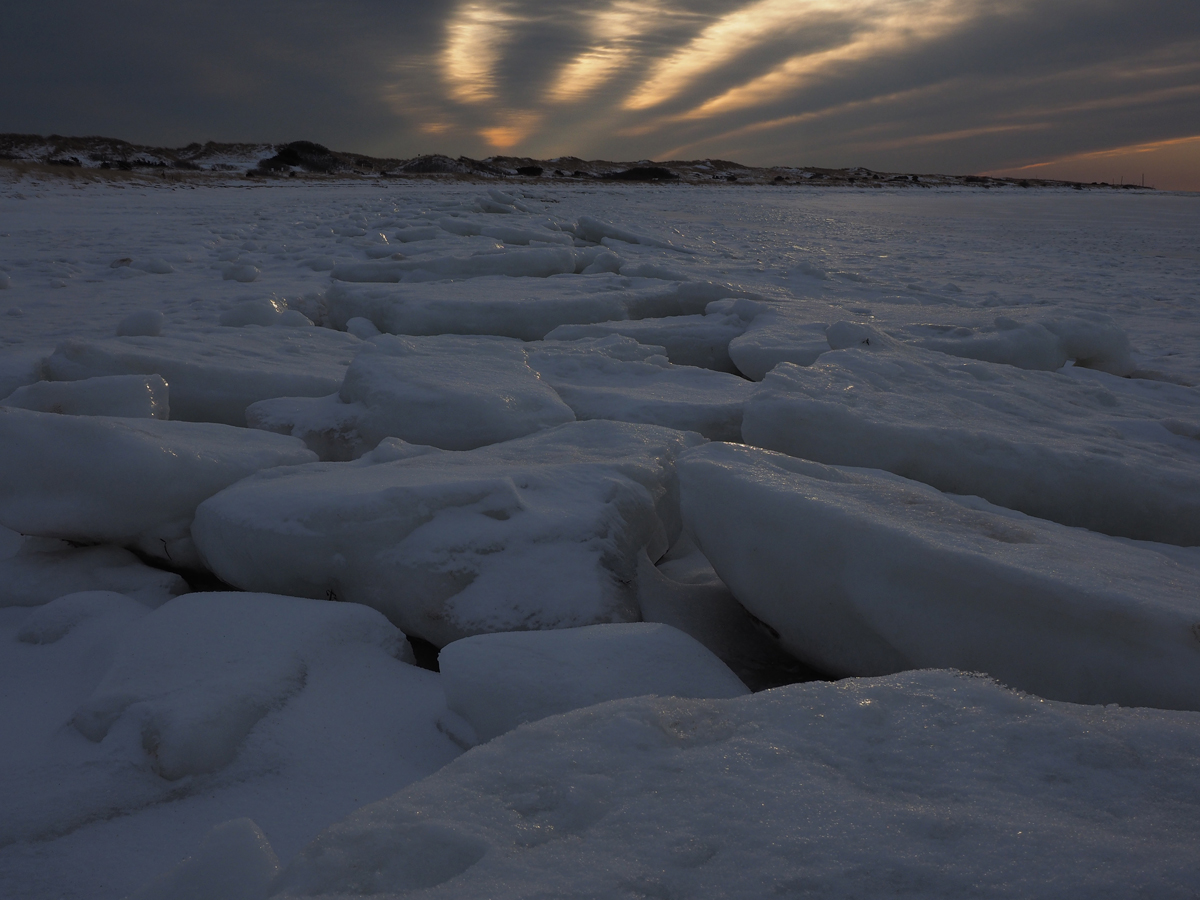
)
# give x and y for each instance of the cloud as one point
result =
(957, 85)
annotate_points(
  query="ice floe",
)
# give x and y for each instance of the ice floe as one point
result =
(1103, 453)
(866, 573)
(525, 308)
(132, 396)
(129, 481)
(452, 392)
(540, 532)
(214, 374)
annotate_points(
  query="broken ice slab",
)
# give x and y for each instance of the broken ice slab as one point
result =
(865, 573)
(1092, 450)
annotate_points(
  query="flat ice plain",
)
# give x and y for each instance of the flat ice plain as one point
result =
(972, 442)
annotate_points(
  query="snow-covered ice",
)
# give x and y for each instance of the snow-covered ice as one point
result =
(615, 377)
(526, 308)
(131, 396)
(1106, 453)
(215, 373)
(446, 391)
(128, 481)
(499, 681)
(36, 570)
(1034, 348)
(865, 573)
(192, 679)
(545, 531)
(928, 784)
(697, 340)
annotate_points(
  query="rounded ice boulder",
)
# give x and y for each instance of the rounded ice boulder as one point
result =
(498, 681)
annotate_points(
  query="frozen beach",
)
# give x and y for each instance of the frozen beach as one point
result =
(768, 540)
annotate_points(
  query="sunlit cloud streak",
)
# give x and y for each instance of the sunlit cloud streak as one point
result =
(615, 32)
(888, 27)
(475, 39)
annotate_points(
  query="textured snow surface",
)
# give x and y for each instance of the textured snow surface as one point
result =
(542, 532)
(499, 681)
(510, 393)
(926, 784)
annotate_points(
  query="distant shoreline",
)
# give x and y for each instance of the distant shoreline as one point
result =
(110, 158)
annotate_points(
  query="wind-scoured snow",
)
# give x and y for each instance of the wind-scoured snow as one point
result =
(266, 444)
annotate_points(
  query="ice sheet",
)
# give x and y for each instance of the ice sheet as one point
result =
(971, 272)
(865, 573)
(1111, 454)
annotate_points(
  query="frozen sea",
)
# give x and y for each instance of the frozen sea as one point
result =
(777, 541)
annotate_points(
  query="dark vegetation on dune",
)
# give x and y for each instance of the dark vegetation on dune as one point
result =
(305, 159)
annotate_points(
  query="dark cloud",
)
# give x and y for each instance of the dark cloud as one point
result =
(960, 85)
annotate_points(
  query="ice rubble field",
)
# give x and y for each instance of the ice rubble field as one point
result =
(625, 454)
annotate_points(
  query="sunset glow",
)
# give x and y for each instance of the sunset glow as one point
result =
(475, 39)
(894, 85)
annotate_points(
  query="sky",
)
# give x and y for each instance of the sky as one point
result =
(1094, 90)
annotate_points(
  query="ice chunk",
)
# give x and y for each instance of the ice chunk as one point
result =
(684, 591)
(56, 619)
(329, 428)
(525, 308)
(1028, 346)
(197, 674)
(457, 393)
(865, 573)
(701, 340)
(19, 368)
(131, 396)
(498, 681)
(145, 322)
(596, 230)
(604, 378)
(1094, 341)
(363, 329)
(215, 373)
(243, 272)
(293, 318)
(771, 339)
(1095, 454)
(37, 570)
(539, 262)
(541, 532)
(135, 482)
(234, 862)
(447, 391)
(930, 783)
(507, 233)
